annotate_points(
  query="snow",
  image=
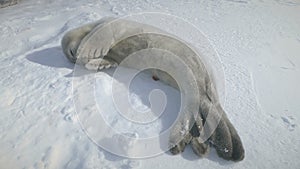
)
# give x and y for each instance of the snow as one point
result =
(258, 43)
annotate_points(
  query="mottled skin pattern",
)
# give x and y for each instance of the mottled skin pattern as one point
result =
(100, 45)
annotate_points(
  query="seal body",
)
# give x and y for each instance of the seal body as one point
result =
(109, 42)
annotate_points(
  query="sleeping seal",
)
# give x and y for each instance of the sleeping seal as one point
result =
(109, 42)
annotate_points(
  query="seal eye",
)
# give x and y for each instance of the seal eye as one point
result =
(71, 51)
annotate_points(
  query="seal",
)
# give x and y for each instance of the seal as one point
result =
(109, 41)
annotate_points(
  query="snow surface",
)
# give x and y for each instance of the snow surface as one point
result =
(258, 42)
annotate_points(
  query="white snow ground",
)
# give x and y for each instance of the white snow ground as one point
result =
(259, 46)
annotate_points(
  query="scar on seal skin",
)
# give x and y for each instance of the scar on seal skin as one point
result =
(107, 42)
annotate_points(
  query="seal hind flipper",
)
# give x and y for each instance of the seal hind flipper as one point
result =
(199, 147)
(238, 152)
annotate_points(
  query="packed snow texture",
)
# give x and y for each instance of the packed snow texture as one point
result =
(258, 42)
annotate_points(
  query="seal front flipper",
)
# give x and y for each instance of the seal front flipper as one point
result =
(100, 63)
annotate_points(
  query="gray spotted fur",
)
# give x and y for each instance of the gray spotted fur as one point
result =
(105, 44)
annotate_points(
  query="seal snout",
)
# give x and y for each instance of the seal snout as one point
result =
(69, 46)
